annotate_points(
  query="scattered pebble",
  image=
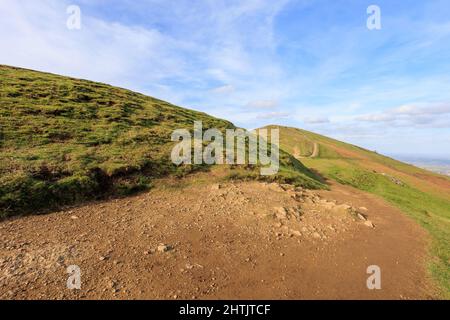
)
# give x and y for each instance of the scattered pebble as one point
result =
(163, 248)
(369, 224)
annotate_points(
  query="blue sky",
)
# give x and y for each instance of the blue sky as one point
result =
(305, 63)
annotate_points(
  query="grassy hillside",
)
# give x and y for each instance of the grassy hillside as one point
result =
(65, 140)
(423, 195)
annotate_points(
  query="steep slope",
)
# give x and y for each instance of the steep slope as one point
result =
(423, 195)
(65, 140)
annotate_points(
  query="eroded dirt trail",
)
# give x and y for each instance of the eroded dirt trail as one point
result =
(246, 240)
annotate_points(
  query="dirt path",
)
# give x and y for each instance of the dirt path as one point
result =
(234, 241)
(314, 154)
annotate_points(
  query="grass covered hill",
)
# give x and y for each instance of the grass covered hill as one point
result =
(423, 195)
(65, 140)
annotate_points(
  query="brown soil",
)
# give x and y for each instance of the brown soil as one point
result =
(246, 240)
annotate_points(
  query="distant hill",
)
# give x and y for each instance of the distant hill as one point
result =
(65, 140)
(423, 195)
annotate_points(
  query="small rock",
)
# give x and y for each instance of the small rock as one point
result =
(163, 248)
(364, 209)
(316, 235)
(281, 213)
(296, 233)
(361, 217)
(74, 217)
(102, 258)
(369, 224)
(112, 284)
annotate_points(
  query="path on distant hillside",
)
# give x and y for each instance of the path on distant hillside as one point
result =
(314, 154)
(245, 240)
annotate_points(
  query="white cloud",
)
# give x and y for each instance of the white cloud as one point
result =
(316, 120)
(433, 115)
(376, 117)
(177, 65)
(223, 89)
(273, 115)
(263, 104)
(34, 35)
(430, 109)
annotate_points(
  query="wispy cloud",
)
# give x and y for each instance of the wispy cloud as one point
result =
(263, 104)
(273, 115)
(223, 89)
(316, 120)
(435, 115)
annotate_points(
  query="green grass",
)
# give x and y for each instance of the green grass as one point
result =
(299, 147)
(65, 141)
(291, 172)
(430, 207)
